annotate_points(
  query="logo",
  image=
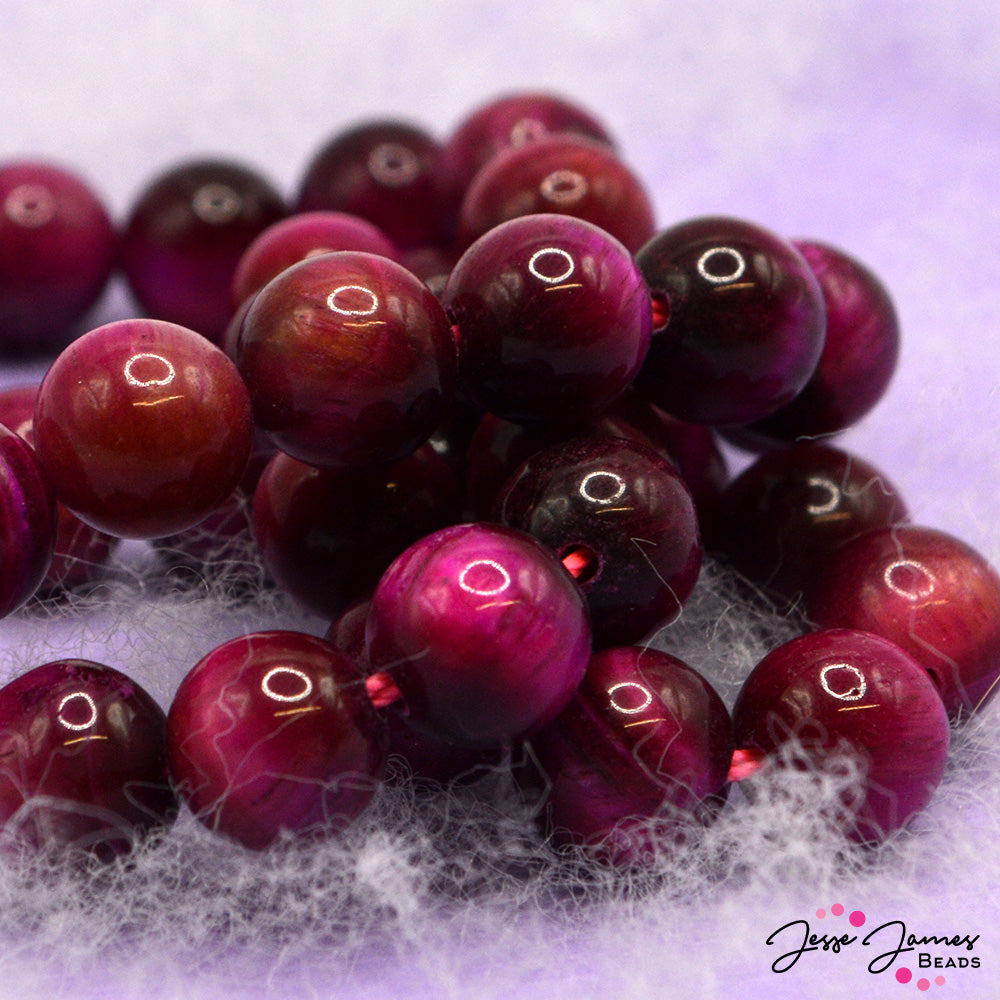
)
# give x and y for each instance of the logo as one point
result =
(890, 948)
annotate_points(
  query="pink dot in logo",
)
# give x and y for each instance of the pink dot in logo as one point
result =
(836, 909)
(857, 918)
(939, 980)
(903, 975)
(820, 914)
(923, 984)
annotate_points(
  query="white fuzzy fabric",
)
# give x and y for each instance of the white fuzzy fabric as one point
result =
(875, 127)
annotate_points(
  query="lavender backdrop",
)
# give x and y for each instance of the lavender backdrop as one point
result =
(875, 126)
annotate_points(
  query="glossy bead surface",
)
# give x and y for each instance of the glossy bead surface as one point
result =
(745, 321)
(859, 356)
(483, 632)
(327, 535)
(301, 236)
(841, 691)
(27, 522)
(626, 515)
(82, 759)
(185, 236)
(143, 428)
(385, 171)
(57, 247)
(783, 517)
(929, 593)
(562, 174)
(553, 319)
(349, 360)
(273, 732)
(640, 755)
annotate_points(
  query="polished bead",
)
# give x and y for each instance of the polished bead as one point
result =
(637, 759)
(185, 236)
(741, 321)
(553, 319)
(143, 428)
(841, 692)
(929, 593)
(57, 247)
(82, 759)
(274, 733)
(482, 630)
(349, 360)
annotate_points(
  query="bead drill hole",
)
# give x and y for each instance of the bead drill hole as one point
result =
(581, 562)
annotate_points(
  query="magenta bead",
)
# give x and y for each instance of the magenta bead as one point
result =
(859, 356)
(349, 360)
(185, 236)
(553, 319)
(300, 236)
(842, 691)
(82, 759)
(624, 515)
(639, 756)
(57, 247)
(483, 632)
(929, 593)
(273, 732)
(561, 174)
(741, 321)
(143, 428)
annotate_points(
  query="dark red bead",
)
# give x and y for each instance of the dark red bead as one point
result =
(273, 732)
(624, 514)
(185, 236)
(562, 174)
(349, 360)
(859, 356)
(57, 247)
(929, 593)
(143, 428)
(552, 316)
(742, 324)
(327, 535)
(482, 630)
(388, 172)
(842, 692)
(301, 236)
(639, 756)
(82, 759)
(784, 516)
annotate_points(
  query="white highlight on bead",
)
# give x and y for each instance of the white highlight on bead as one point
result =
(393, 164)
(589, 479)
(739, 265)
(77, 726)
(331, 301)
(832, 502)
(30, 206)
(911, 594)
(563, 187)
(504, 583)
(644, 692)
(145, 383)
(216, 204)
(526, 130)
(307, 684)
(540, 255)
(853, 693)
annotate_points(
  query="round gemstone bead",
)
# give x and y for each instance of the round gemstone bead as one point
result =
(82, 759)
(185, 236)
(741, 325)
(349, 360)
(553, 319)
(57, 247)
(845, 692)
(638, 757)
(142, 427)
(482, 630)
(623, 515)
(273, 732)
(562, 174)
(929, 593)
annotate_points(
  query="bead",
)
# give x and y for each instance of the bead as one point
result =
(185, 236)
(742, 323)
(57, 247)
(841, 691)
(483, 632)
(639, 756)
(626, 515)
(273, 733)
(553, 319)
(143, 428)
(349, 360)
(83, 752)
(929, 593)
